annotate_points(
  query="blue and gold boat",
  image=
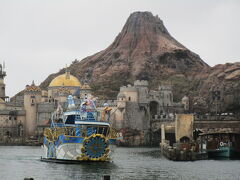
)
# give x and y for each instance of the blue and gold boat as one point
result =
(76, 135)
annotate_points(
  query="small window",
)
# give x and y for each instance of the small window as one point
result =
(32, 102)
(129, 98)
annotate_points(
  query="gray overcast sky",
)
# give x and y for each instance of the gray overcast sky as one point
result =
(38, 38)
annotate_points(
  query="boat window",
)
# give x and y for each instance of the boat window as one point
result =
(103, 130)
(70, 119)
(89, 130)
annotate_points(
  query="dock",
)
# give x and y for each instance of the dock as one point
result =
(180, 153)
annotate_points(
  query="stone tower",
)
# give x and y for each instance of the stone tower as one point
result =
(142, 86)
(166, 95)
(32, 96)
(2, 84)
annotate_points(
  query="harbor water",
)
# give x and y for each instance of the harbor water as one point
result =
(19, 162)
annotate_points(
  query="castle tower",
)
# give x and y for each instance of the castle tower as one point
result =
(2, 84)
(166, 95)
(86, 91)
(142, 86)
(32, 96)
(121, 100)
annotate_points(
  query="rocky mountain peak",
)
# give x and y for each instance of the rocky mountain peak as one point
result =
(138, 22)
(146, 32)
(144, 49)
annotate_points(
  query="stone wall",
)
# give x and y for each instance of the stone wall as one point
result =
(44, 111)
(184, 126)
(135, 117)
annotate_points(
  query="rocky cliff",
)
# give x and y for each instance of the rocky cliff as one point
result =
(221, 87)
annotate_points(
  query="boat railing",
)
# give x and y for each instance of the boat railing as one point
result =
(52, 134)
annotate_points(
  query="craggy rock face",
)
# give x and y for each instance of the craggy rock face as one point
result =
(224, 79)
(144, 49)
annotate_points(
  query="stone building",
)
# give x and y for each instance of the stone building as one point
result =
(29, 112)
(12, 115)
(138, 108)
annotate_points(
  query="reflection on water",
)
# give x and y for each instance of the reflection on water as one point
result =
(129, 163)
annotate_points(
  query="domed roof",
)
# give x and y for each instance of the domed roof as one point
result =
(65, 80)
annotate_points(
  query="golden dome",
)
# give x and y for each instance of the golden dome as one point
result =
(65, 80)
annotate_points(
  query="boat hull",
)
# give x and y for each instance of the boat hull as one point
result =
(224, 152)
(55, 151)
(65, 161)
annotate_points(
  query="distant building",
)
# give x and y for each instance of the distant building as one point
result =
(30, 112)
(142, 102)
(138, 107)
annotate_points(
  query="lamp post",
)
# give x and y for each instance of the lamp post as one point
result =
(216, 97)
